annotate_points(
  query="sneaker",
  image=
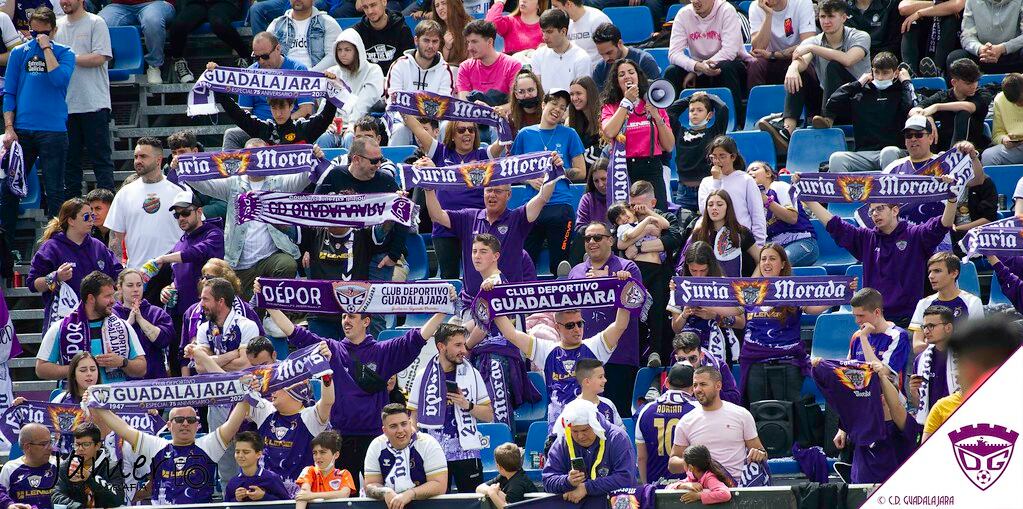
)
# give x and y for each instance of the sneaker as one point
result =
(652, 394)
(775, 126)
(928, 68)
(820, 122)
(654, 361)
(564, 268)
(154, 76)
(181, 70)
(909, 71)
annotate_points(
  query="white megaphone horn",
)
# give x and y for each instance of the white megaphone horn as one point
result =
(661, 94)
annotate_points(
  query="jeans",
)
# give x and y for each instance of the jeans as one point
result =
(816, 91)
(863, 160)
(262, 12)
(732, 77)
(803, 252)
(90, 131)
(687, 197)
(152, 17)
(555, 226)
(279, 264)
(916, 40)
(48, 149)
(219, 13)
(331, 140)
(999, 154)
(385, 273)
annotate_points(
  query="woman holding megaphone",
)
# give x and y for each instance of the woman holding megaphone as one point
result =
(628, 113)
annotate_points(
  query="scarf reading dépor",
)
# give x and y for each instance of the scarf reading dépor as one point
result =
(74, 336)
(926, 370)
(548, 296)
(764, 291)
(325, 210)
(872, 187)
(335, 297)
(441, 107)
(12, 167)
(433, 399)
(618, 171)
(256, 161)
(479, 174)
(1001, 238)
(278, 83)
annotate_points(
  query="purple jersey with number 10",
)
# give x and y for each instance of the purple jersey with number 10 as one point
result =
(655, 430)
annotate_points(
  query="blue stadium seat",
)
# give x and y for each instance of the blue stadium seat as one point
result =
(630, 428)
(528, 414)
(15, 451)
(577, 190)
(499, 43)
(812, 270)
(398, 153)
(672, 11)
(756, 146)
(844, 210)
(997, 294)
(968, 278)
(763, 100)
(494, 434)
(810, 389)
(931, 83)
(331, 153)
(388, 334)
(532, 461)
(127, 45)
(991, 78)
(723, 93)
(280, 346)
(831, 335)
(811, 147)
(519, 196)
(347, 22)
(833, 258)
(543, 263)
(643, 378)
(34, 198)
(636, 22)
(418, 265)
(1005, 179)
(744, 6)
(660, 55)
(411, 22)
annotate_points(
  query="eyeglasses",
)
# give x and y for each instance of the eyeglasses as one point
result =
(83, 445)
(931, 326)
(914, 134)
(182, 420)
(572, 325)
(465, 129)
(264, 56)
(206, 277)
(876, 210)
(40, 443)
(374, 161)
(184, 212)
(597, 237)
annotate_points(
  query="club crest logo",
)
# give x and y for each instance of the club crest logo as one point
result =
(351, 296)
(231, 163)
(901, 245)
(476, 174)
(151, 204)
(633, 295)
(750, 293)
(402, 209)
(34, 480)
(503, 229)
(569, 366)
(724, 248)
(854, 378)
(431, 106)
(65, 419)
(100, 395)
(481, 310)
(855, 188)
(282, 431)
(335, 484)
(627, 501)
(983, 451)
(179, 462)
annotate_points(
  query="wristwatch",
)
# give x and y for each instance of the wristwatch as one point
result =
(51, 280)
(124, 363)
(471, 406)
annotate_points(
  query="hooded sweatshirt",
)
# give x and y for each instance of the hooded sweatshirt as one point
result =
(717, 38)
(367, 82)
(994, 21)
(385, 46)
(89, 256)
(406, 74)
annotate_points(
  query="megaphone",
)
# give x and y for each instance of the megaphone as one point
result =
(661, 94)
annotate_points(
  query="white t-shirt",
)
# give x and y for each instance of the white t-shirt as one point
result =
(558, 71)
(424, 445)
(974, 309)
(581, 32)
(10, 35)
(247, 329)
(723, 431)
(140, 211)
(299, 52)
(786, 25)
(1018, 193)
(258, 244)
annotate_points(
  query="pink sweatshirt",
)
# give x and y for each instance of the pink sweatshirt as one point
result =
(717, 37)
(518, 36)
(714, 491)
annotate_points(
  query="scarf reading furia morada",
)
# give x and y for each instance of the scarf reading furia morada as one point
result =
(548, 296)
(74, 336)
(442, 107)
(872, 188)
(618, 171)
(1001, 238)
(257, 161)
(62, 418)
(334, 297)
(431, 413)
(211, 388)
(764, 291)
(324, 210)
(478, 174)
(277, 83)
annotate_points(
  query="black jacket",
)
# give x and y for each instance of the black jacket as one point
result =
(877, 116)
(691, 145)
(106, 482)
(385, 46)
(305, 130)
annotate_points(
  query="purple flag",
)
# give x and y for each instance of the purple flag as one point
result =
(618, 172)
(547, 296)
(61, 419)
(335, 297)
(476, 174)
(258, 161)
(1002, 238)
(441, 107)
(279, 83)
(764, 291)
(325, 210)
(871, 187)
(951, 162)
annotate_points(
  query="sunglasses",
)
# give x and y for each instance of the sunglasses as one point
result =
(206, 277)
(572, 325)
(373, 161)
(183, 213)
(465, 129)
(36, 33)
(264, 56)
(595, 237)
(88, 216)
(914, 134)
(182, 420)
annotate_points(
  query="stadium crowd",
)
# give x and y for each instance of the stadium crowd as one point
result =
(160, 277)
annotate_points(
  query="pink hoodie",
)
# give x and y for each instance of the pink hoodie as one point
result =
(714, 491)
(717, 38)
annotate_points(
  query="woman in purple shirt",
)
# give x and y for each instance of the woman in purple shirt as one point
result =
(461, 145)
(716, 335)
(152, 324)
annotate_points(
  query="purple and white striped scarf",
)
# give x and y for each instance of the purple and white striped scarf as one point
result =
(618, 171)
(12, 166)
(276, 83)
(1002, 238)
(74, 336)
(433, 400)
(325, 210)
(442, 107)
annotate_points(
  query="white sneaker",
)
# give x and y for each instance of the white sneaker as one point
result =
(154, 76)
(182, 71)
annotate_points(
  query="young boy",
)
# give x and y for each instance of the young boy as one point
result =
(943, 273)
(888, 341)
(959, 112)
(590, 375)
(322, 479)
(511, 485)
(691, 144)
(253, 483)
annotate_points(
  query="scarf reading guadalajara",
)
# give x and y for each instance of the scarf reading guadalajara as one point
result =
(280, 83)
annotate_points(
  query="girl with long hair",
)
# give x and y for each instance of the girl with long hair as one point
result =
(524, 102)
(715, 332)
(584, 116)
(67, 253)
(521, 28)
(732, 243)
(647, 133)
(706, 479)
(726, 173)
(152, 324)
(453, 17)
(787, 222)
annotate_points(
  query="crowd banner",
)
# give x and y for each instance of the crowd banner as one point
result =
(325, 210)
(547, 296)
(763, 291)
(872, 188)
(275, 83)
(12, 167)
(442, 107)
(256, 161)
(333, 297)
(61, 418)
(618, 172)
(211, 388)
(1002, 238)
(477, 174)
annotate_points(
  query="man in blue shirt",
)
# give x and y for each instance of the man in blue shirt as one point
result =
(555, 223)
(35, 111)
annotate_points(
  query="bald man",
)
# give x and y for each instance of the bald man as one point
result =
(29, 480)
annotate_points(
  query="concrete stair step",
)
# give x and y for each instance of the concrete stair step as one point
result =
(26, 314)
(31, 338)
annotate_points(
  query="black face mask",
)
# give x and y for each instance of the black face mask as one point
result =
(531, 102)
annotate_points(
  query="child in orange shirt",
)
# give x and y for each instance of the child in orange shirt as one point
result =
(323, 480)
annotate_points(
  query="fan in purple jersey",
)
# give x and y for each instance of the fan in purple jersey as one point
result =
(772, 339)
(716, 334)
(28, 481)
(557, 360)
(655, 426)
(943, 270)
(934, 370)
(888, 341)
(253, 483)
(1010, 281)
(592, 379)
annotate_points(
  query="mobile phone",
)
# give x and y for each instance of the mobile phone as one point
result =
(453, 386)
(1015, 137)
(578, 464)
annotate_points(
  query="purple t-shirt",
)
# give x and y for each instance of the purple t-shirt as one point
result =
(28, 485)
(627, 352)
(655, 429)
(181, 473)
(891, 346)
(875, 464)
(456, 199)
(286, 438)
(780, 231)
(511, 228)
(268, 480)
(854, 391)
(772, 334)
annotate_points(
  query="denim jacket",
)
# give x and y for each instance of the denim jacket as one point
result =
(316, 36)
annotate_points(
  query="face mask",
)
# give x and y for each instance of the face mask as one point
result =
(700, 125)
(882, 84)
(531, 102)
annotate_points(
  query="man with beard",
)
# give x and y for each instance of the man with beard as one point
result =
(384, 33)
(403, 465)
(727, 429)
(420, 68)
(452, 419)
(27, 482)
(94, 327)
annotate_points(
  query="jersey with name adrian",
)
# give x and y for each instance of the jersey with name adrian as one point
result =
(655, 430)
(287, 438)
(558, 367)
(182, 473)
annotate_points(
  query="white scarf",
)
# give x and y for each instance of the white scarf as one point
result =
(926, 370)
(65, 300)
(399, 478)
(432, 398)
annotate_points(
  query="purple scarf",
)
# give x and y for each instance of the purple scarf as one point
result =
(335, 297)
(548, 296)
(325, 210)
(505, 375)
(441, 107)
(618, 171)
(1002, 238)
(12, 166)
(62, 418)
(871, 187)
(431, 413)
(277, 83)
(766, 291)
(74, 336)
(479, 174)
(257, 161)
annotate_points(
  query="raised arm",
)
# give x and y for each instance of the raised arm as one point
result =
(437, 213)
(537, 203)
(326, 401)
(819, 211)
(229, 429)
(614, 331)
(891, 394)
(520, 339)
(117, 424)
(423, 137)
